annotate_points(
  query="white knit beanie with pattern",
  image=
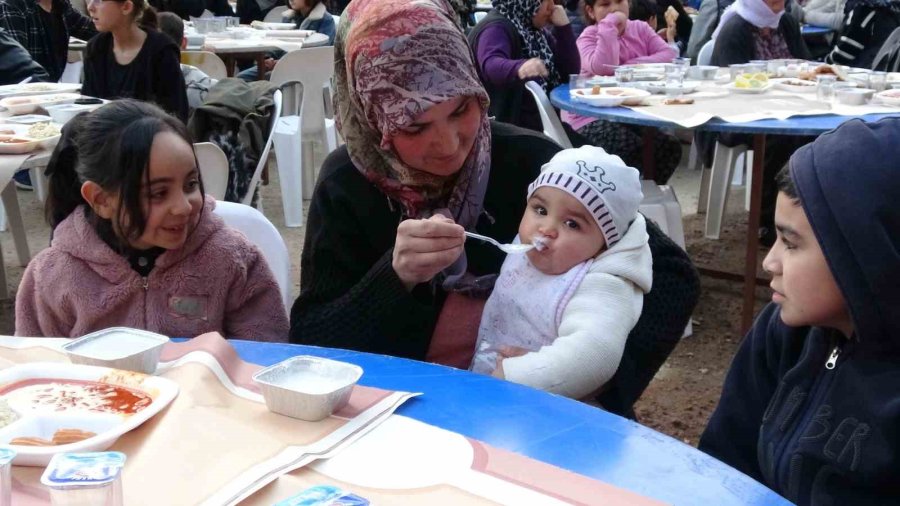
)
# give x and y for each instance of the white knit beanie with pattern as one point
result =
(608, 189)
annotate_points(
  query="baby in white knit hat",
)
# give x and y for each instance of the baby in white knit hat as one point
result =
(559, 315)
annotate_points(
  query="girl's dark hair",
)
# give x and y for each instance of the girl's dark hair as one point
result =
(110, 147)
(642, 10)
(785, 183)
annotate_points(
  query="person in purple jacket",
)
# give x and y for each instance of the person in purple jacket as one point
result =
(512, 45)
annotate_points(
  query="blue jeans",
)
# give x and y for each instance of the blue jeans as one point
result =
(252, 74)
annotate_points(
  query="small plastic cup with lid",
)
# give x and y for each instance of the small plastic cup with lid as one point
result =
(92, 478)
(6, 457)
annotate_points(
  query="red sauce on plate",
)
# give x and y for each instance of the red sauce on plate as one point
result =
(62, 395)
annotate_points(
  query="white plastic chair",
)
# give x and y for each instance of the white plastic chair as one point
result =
(549, 119)
(213, 165)
(715, 184)
(264, 156)
(208, 62)
(260, 231)
(276, 15)
(704, 57)
(11, 217)
(304, 136)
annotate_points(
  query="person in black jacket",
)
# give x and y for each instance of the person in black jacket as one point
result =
(867, 25)
(185, 9)
(131, 59)
(16, 64)
(757, 30)
(43, 28)
(811, 406)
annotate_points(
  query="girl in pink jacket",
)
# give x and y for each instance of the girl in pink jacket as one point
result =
(136, 244)
(612, 40)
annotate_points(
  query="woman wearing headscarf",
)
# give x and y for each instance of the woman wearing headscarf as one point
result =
(386, 268)
(757, 30)
(867, 24)
(512, 45)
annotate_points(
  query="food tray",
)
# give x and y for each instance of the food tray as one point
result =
(795, 85)
(29, 104)
(30, 89)
(43, 421)
(21, 132)
(609, 97)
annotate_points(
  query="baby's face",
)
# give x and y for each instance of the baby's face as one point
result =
(566, 233)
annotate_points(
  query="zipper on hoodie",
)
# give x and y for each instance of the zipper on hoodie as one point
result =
(820, 387)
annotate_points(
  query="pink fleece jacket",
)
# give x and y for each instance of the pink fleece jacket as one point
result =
(218, 281)
(602, 50)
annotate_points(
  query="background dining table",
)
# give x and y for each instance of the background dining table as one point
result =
(792, 126)
(552, 429)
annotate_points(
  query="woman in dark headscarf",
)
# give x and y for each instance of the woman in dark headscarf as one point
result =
(867, 24)
(512, 46)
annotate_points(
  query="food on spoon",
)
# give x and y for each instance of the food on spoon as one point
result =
(42, 131)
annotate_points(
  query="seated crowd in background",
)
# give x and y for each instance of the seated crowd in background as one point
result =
(306, 15)
(43, 28)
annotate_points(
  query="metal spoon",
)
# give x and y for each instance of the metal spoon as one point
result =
(506, 248)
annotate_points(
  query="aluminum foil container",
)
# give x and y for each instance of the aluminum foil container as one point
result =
(306, 387)
(118, 348)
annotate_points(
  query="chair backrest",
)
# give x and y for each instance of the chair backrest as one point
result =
(313, 69)
(213, 165)
(276, 15)
(704, 57)
(208, 62)
(264, 156)
(549, 119)
(890, 50)
(667, 310)
(260, 231)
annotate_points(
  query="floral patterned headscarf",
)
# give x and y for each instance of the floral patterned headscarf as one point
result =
(521, 13)
(394, 59)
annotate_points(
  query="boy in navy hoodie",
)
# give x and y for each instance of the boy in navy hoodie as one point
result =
(811, 405)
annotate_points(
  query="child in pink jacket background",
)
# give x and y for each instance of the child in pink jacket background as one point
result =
(612, 40)
(135, 242)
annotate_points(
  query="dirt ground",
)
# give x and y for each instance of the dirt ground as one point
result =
(682, 396)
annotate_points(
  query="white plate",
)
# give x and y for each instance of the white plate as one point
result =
(109, 427)
(29, 104)
(261, 25)
(29, 89)
(608, 97)
(889, 97)
(748, 91)
(662, 87)
(786, 85)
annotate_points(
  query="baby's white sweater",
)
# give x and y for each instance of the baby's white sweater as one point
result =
(595, 324)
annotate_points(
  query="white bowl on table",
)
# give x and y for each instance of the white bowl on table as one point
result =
(703, 72)
(118, 348)
(663, 87)
(609, 97)
(306, 387)
(63, 113)
(854, 96)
